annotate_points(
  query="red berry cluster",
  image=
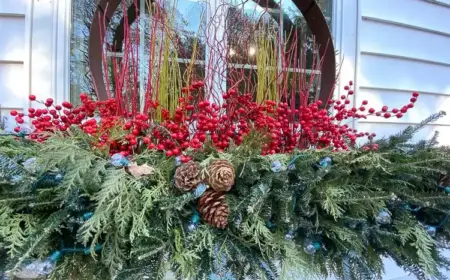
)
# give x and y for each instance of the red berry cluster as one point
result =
(196, 121)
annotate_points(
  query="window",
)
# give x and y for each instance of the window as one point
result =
(185, 40)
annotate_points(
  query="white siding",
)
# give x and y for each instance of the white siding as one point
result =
(12, 53)
(34, 51)
(403, 46)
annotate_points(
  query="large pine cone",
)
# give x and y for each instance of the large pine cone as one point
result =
(213, 209)
(220, 175)
(188, 176)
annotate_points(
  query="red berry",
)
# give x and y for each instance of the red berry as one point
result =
(415, 94)
(151, 146)
(83, 96)
(17, 129)
(176, 151)
(346, 87)
(350, 92)
(410, 105)
(31, 110)
(365, 102)
(67, 105)
(169, 153)
(160, 147)
(350, 83)
(371, 110)
(387, 115)
(13, 113)
(343, 97)
(136, 132)
(32, 97)
(362, 108)
(395, 110)
(413, 99)
(384, 109)
(399, 115)
(49, 101)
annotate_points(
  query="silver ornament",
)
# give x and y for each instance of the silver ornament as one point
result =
(30, 165)
(384, 217)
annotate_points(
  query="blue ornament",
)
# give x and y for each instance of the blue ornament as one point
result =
(447, 190)
(194, 222)
(312, 247)
(200, 190)
(195, 218)
(178, 161)
(15, 179)
(119, 160)
(325, 162)
(30, 165)
(276, 166)
(431, 230)
(87, 216)
(383, 217)
(191, 227)
(59, 177)
(39, 268)
(290, 235)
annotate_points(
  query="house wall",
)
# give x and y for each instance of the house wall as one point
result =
(34, 54)
(397, 47)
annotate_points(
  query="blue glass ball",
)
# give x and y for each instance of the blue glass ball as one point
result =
(431, 230)
(87, 215)
(312, 247)
(276, 166)
(384, 218)
(447, 190)
(325, 162)
(178, 161)
(119, 160)
(200, 190)
(195, 218)
(289, 235)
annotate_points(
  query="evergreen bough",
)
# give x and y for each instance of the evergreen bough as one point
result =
(142, 223)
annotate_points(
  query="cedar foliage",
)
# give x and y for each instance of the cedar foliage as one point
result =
(142, 223)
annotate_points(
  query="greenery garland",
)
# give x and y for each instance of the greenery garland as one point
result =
(311, 213)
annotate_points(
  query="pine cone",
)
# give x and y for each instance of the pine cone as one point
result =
(220, 175)
(213, 209)
(187, 176)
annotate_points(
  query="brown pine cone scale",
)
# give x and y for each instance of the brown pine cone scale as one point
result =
(214, 209)
(220, 175)
(188, 176)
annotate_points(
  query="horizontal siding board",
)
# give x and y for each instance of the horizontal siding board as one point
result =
(387, 72)
(13, 6)
(396, 40)
(12, 32)
(425, 106)
(413, 12)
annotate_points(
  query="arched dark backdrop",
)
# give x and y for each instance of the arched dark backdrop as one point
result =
(309, 9)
